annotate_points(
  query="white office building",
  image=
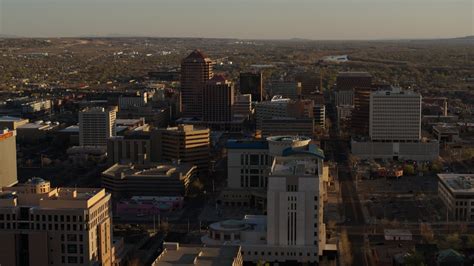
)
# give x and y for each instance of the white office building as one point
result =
(395, 129)
(295, 231)
(276, 107)
(96, 125)
(395, 115)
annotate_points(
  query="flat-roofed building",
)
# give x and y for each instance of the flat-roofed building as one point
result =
(278, 126)
(252, 83)
(352, 80)
(457, 193)
(287, 89)
(276, 107)
(395, 115)
(186, 143)
(130, 148)
(40, 225)
(218, 99)
(96, 125)
(242, 105)
(11, 122)
(8, 169)
(154, 179)
(175, 254)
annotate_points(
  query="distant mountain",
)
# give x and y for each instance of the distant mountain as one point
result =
(8, 36)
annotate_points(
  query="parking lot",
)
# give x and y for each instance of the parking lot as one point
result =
(408, 199)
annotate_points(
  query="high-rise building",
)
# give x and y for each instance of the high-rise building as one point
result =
(278, 126)
(242, 105)
(295, 206)
(196, 70)
(287, 89)
(8, 170)
(252, 83)
(395, 129)
(96, 125)
(132, 100)
(395, 115)
(40, 225)
(218, 99)
(277, 107)
(361, 113)
(310, 82)
(184, 143)
(346, 85)
(352, 80)
(319, 115)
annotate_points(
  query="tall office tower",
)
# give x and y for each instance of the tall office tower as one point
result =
(352, 80)
(185, 143)
(319, 115)
(310, 82)
(361, 114)
(218, 99)
(295, 205)
(196, 70)
(287, 89)
(8, 170)
(346, 85)
(96, 125)
(242, 105)
(395, 115)
(40, 225)
(252, 83)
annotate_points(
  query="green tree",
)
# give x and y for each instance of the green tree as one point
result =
(414, 259)
(409, 169)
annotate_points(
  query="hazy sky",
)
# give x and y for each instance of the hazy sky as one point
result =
(314, 19)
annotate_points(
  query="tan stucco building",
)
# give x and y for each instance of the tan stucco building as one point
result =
(40, 225)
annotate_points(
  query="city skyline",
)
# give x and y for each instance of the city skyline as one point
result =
(262, 19)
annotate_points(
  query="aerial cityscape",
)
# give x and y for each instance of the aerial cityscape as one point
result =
(136, 150)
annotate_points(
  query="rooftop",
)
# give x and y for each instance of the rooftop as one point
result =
(458, 183)
(294, 166)
(175, 254)
(10, 118)
(246, 144)
(152, 170)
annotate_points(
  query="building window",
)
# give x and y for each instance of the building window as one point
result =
(71, 259)
(71, 249)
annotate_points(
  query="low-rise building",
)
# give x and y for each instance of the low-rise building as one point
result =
(154, 179)
(175, 254)
(457, 193)
(11, 122)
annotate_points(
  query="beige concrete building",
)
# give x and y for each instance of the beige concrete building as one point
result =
(184, 143)
(96, 125)
(11, 122)
(8, 169)
(175, 254)
(148, 180)
(40, 225)
(457, 193)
